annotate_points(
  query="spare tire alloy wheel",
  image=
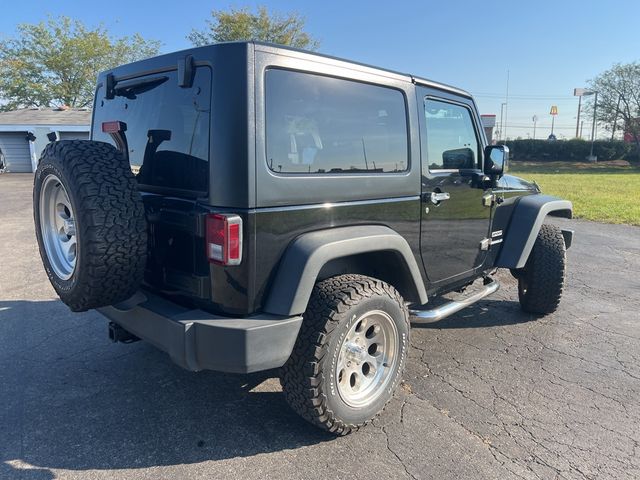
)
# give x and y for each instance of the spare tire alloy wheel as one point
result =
(90, 223)
(57, 224)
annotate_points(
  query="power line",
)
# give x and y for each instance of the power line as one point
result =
(528, 125)
(523, 96)
(541, 126)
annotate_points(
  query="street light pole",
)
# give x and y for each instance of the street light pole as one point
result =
(580, 92)
(578, 120)
(593, 126)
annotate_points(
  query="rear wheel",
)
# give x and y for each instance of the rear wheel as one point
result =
(90, 223)
(541, 281)
(350, 353)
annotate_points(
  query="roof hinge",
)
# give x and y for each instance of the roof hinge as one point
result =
(185, 71)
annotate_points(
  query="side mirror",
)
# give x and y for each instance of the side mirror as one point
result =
(496, 159)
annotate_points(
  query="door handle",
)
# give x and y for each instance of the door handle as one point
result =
(437, 197)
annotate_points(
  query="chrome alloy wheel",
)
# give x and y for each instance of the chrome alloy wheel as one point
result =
(58, 227)
(367, 358)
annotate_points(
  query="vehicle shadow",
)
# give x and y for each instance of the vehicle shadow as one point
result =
(72, 400)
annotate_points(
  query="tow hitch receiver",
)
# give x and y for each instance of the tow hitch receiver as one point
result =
(119, 334)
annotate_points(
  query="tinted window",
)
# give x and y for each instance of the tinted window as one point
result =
(167, 128)
(451, 138)
(319, 124)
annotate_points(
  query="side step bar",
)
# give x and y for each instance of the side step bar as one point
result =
(427, 316)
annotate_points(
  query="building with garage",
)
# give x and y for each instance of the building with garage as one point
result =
(24, 133)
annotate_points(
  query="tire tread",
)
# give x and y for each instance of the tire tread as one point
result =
(302, 375)
(111, 218)
(544, 272)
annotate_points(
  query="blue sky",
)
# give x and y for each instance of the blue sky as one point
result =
(548, 47)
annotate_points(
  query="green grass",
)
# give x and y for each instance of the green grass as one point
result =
(606, 192)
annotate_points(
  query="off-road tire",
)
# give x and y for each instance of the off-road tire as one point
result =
(541, 281)
(109, 222)
(333, 308)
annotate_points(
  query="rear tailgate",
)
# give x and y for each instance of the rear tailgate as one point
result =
(165, 128)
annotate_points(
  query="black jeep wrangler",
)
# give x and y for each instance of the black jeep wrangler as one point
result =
(245, 206)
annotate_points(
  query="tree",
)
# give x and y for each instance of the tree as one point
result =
(619, 99)
(242, 24)
(55, 63)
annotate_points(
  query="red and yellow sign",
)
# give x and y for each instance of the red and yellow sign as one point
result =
(554, 110)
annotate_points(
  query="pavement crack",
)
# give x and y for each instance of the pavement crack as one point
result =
(395, 454)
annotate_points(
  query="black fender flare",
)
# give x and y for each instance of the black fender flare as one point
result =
(304, 258)
(527, 218)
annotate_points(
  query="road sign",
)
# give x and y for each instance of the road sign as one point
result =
(554, 110)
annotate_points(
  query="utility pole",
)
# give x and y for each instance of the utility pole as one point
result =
(535, 120)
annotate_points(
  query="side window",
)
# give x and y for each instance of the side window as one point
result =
(317, 124)
(452, 143)
(167, 128)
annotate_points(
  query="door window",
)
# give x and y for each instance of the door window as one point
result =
(452, 143)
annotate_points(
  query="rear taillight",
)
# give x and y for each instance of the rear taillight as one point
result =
(224, 239)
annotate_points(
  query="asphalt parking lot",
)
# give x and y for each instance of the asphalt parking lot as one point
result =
(489, 393)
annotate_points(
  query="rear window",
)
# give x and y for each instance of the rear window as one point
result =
(167, 128)
(317, 124)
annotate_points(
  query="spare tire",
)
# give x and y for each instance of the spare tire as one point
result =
(90, 223)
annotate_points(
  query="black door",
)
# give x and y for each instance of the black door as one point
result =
(455, 221)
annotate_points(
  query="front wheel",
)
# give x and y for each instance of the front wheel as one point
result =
(541, 281)
(350, 353)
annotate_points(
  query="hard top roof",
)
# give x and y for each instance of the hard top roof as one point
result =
(296, 52)
(418, 80)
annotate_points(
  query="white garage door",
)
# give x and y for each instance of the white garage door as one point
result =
(16, 151)
(74, 135)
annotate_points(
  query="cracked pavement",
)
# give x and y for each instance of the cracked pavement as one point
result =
(490, 393)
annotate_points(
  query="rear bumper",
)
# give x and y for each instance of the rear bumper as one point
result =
(198, 340)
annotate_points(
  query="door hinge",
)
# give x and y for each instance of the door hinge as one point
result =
(488, 199)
